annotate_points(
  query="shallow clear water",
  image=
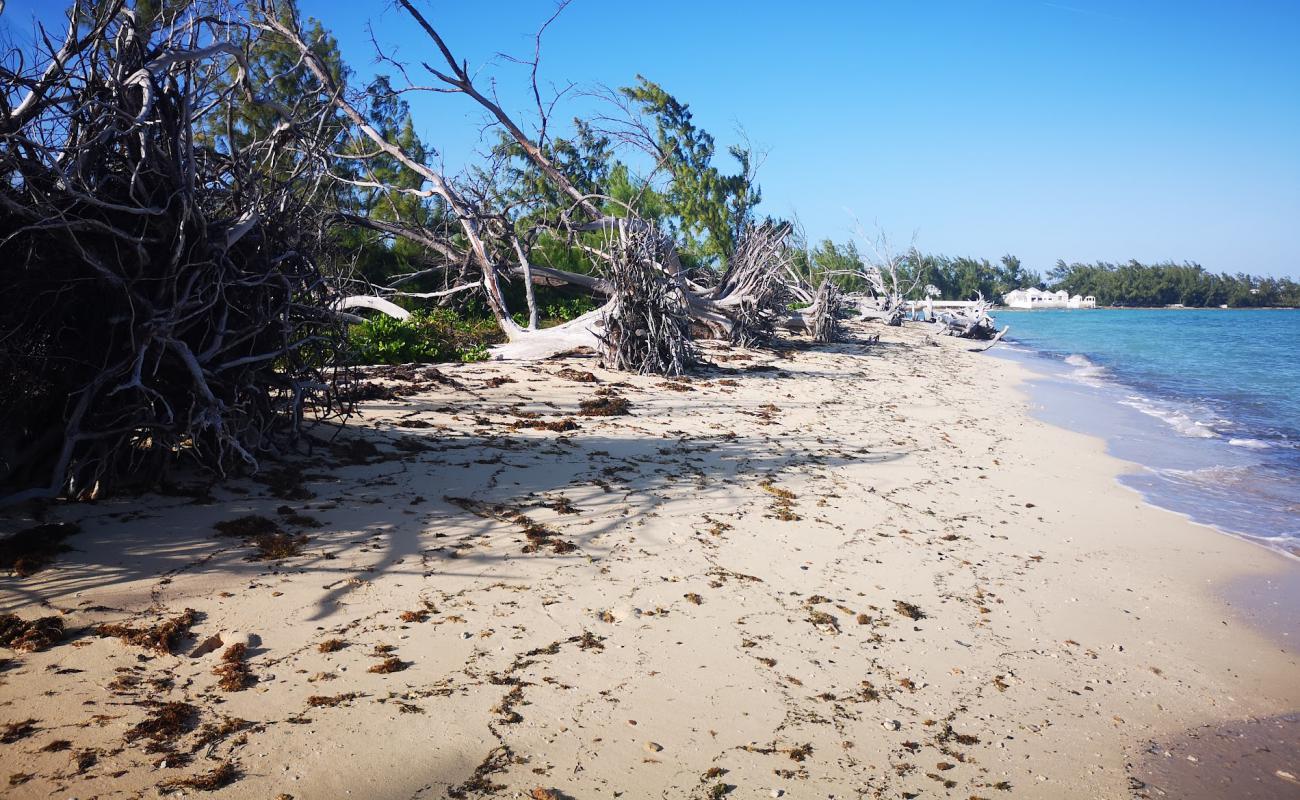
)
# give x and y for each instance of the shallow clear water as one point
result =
(1208, 401)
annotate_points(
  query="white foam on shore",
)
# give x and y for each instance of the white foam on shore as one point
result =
(1252, 444)
(1085, 370)
(1176, 418)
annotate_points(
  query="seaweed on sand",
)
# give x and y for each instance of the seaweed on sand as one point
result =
(581, 376)
(247, 527)
(15, 731)
(168, 721)
(390, 664)
(27, 636)
(222, 775)
(605, 404)
(233, 670)
(28, 552)
(161, 638)
(497, 761)
(215, 732)
(909, 610)
(329, 701)
(265, 535)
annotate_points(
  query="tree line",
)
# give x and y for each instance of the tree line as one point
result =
(1133, 283)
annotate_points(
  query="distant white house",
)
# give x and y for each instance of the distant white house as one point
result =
(1036, 298)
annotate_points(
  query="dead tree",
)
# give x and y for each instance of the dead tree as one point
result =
(972, 322)
(739, 307)
(645, 326)
(889, 280)
(823, 317)
(162, 298)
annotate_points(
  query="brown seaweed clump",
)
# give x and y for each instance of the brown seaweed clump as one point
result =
(329, 701)
(331, 645)
(390, 664)
(604, 404)
(168, 721)
(27, 636)
(161, 638)
(247, 527)
(222, 775)
(265, 535)
(480, 783)
(215, 732)
(581, 376)
(30, 551)
(12, 732)
(909, 610)
(233, 670)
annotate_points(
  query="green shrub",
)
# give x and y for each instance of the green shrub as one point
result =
(568, 308)
(437, 335)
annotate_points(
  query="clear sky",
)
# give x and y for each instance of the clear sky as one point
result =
(1074, 129)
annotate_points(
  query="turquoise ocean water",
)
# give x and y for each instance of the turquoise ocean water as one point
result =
(1207, 402)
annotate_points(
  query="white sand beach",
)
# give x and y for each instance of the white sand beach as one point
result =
(859, 570)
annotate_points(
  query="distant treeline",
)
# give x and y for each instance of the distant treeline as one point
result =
(1167, 283)
(1131, 284)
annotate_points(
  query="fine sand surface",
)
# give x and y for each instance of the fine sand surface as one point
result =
(848, 571)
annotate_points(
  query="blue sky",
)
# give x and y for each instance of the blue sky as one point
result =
(1076, 130)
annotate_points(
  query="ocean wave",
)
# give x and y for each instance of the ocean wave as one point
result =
(1217, 475)
(1084, 369)
(1177, 418)
(1252, 444)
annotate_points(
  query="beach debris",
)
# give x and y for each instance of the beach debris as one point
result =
(161, 638)
(329, 701)
(479, 783)
(167, 721)
(581, 376)
(214, 732)
(389, 664)
(29, 636)
(801, 752)
(265, 535)
(909, 610)
(538, 535)
(653, 747)
(29, 551)
(606, 403)
(331, 645)
(12, 732)
(782, 507)
(220, 776)
(233, 670)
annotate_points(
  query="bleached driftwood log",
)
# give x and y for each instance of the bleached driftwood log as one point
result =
(973, 322)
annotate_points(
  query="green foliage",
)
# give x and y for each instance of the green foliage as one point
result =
(712, 208)
(1167, 283)
(565, 309)
(438, 335)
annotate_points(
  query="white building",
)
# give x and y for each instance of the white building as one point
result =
(1037, 298)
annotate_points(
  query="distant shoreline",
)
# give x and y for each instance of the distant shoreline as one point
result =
(1002, 308)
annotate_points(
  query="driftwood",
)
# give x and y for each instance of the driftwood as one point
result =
(973, 322)
(645, 324)
(162, 297)
(749, 297)
(824, 324)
